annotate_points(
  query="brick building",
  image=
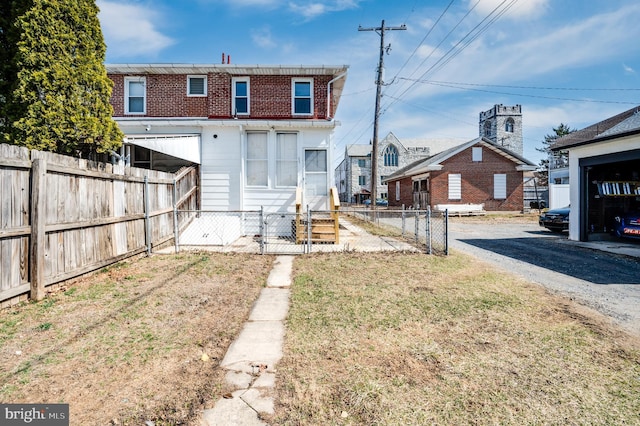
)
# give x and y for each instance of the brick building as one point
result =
(479, 172)
(256, 132)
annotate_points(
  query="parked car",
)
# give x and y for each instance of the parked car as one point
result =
(555, 220)
(379, 202)
(627, 225)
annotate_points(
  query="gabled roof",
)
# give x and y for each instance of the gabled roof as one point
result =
(434, 162)
(358, 150)
(618, 125)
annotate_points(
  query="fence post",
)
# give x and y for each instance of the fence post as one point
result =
(309, 242)
(38, 218)
(176, 236)
(416, 230)
(404, 221)
(147, 221)
(262, 230)
(428, 231)
(446, 232)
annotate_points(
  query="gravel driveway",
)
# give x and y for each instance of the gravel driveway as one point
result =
(608, 283)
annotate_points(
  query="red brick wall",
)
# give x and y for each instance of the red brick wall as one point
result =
(477, 182)
(406, 193)
(270, 97)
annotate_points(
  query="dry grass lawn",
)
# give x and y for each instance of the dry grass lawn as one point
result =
(126, 345)
(400, 339)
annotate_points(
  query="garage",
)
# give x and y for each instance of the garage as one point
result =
(604, 178)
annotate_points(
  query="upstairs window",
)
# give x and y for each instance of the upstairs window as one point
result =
(302, 93)
(391, 156)
(476, 154)
(135, 95)
(240, 96)
(508, 125)
(197, 85)
(362, 163)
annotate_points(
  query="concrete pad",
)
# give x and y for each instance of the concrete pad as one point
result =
(259, 402)
(231, 412)
(272, 305)
(239, 379)
(265, 380)
(280, 275)
(258, 343)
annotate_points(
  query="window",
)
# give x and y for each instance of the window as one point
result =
(362, 163)
(476, 153)
(197, 85)
(240, 96)
(381, 180)
(257, 172)
(487, 129)
(500, 186)
(302, 96)
(508, 125)
(455, 187)
(362, 180)
(391, 156)
(135, 95)
(287, 159)
(397, 190)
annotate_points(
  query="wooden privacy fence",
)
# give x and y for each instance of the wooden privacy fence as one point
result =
(61, 217)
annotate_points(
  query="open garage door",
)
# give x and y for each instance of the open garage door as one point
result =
(610, 188)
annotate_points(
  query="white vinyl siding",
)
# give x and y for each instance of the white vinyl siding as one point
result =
(257, 166)
(197, 85)
(500, 186)
(135, 95)
(455, 187)
(286, 160)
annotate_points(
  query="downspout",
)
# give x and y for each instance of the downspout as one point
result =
(329, 93)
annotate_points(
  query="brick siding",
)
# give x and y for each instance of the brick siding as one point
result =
(269, 97)
(477, 182)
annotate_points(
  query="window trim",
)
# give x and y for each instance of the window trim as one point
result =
(294, 97)
(204, 88)
(235, 80)
(390, 156)
(135, 79)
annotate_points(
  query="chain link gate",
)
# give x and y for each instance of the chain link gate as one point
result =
(279, 234)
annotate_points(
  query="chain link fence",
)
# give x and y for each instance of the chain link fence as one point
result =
(358, 230)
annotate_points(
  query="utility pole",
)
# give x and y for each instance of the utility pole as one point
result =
(379, 83)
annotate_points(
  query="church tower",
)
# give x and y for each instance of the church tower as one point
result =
(503, 125)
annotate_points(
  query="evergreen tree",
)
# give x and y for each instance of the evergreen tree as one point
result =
(549, 140)
(62, 89)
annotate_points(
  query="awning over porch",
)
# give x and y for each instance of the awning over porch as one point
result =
(186, 147)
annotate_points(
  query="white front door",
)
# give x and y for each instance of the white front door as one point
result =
(316, 189)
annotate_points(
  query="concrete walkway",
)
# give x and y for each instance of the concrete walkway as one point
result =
(251, 359)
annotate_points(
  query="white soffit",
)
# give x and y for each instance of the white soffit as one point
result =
(186, 147)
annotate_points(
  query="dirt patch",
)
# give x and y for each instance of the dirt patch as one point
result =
(137, 341)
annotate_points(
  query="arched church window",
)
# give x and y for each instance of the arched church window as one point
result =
(508, 125)
(391, 156)
(487, 129)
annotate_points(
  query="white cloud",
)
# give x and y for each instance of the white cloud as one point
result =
(263, 38)
(311, 10)
(131, 30)
(628, 69)
(524, 9)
